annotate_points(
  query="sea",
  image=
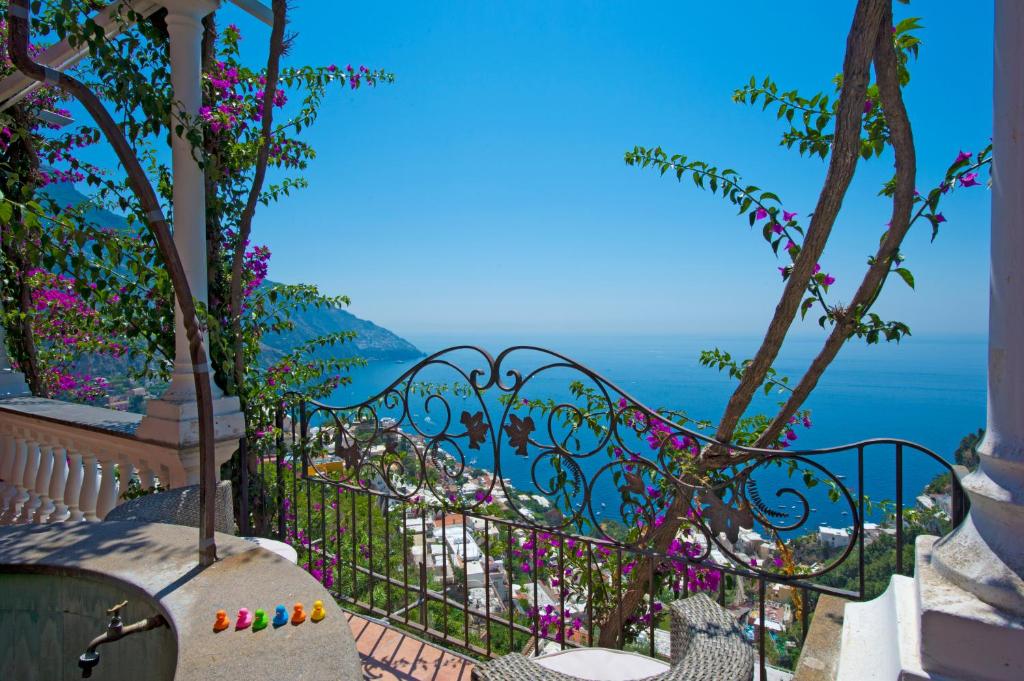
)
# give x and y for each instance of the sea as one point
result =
(930, 390)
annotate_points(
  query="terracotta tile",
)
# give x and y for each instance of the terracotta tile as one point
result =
(389, 653)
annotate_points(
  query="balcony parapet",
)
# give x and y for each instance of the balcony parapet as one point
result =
(63, 461)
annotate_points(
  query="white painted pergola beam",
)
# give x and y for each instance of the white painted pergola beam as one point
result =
(62, 55)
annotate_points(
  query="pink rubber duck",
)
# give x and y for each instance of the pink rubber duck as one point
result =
(244, 618)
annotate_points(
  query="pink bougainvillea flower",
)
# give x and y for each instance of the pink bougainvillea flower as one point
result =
(829, 280)
(817, 268)
(939, 218)
(761, 214)
(787, 216)
(969, 179)
(963, 156)
(777, 228)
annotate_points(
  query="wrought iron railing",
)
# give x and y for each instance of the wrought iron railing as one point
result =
(389, 510)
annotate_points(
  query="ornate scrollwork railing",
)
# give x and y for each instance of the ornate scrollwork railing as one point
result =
(419, 440)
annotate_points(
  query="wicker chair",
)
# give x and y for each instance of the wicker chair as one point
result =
(178, 506)
(707, 645)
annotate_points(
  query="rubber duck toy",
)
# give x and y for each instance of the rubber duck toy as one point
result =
(222, 622)
(280, 616)
(298, 616)
(318, 611)
(260, 622)
(244, 618)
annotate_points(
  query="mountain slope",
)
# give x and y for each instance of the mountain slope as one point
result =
(372, 342)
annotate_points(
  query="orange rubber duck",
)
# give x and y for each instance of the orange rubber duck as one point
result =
(222, 622)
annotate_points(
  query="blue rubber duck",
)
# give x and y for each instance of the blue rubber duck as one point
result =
(280, 616)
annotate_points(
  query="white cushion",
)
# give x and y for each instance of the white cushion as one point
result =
(602, 664)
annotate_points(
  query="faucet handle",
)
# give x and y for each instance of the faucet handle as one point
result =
(115, 609)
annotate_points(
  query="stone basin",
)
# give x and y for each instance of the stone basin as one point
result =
(56, 582)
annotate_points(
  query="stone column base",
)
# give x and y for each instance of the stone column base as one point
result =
(176, 424)
(926, 628)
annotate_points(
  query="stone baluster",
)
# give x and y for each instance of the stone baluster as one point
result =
(90, 486)
(127, 472)
(45, 507)
(108, 490)
(147, 478)
(7, 487)
(17, 479)
(58, 485)
(28, 510)
(73, 489)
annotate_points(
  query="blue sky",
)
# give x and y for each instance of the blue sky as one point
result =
(486, 189)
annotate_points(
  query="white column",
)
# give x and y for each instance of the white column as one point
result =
(45, 507)
(90, 487)
(147, 479)
(58, 485)
(185, 29)
(18, 480)
(126, 471)
(29, 482)
(7, 455)
(107, 497)
(985, 555)
(73, 489)
(173, 419)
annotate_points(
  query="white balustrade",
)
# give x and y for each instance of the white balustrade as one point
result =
(17, 478)
(90, 486)
(126, 472)
(28, 509)
(108, 490)
(69, 462)
(8, 489)
(58, 484)
(74, 486)
(45, 507)
(147, 478)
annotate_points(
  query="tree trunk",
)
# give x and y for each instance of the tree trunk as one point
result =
(860, 46)
(902, 140)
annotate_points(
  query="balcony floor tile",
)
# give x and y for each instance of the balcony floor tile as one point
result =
(389, 653)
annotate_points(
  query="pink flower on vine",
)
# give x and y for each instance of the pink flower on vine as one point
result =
(828, 280)
(761, 214)
(777, 228)
(787, 215)
(969, 179)
(962, 156)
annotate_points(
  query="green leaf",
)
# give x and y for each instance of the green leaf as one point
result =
(906, 275)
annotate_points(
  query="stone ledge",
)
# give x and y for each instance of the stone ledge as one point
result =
(819, 659)
(160, 560)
